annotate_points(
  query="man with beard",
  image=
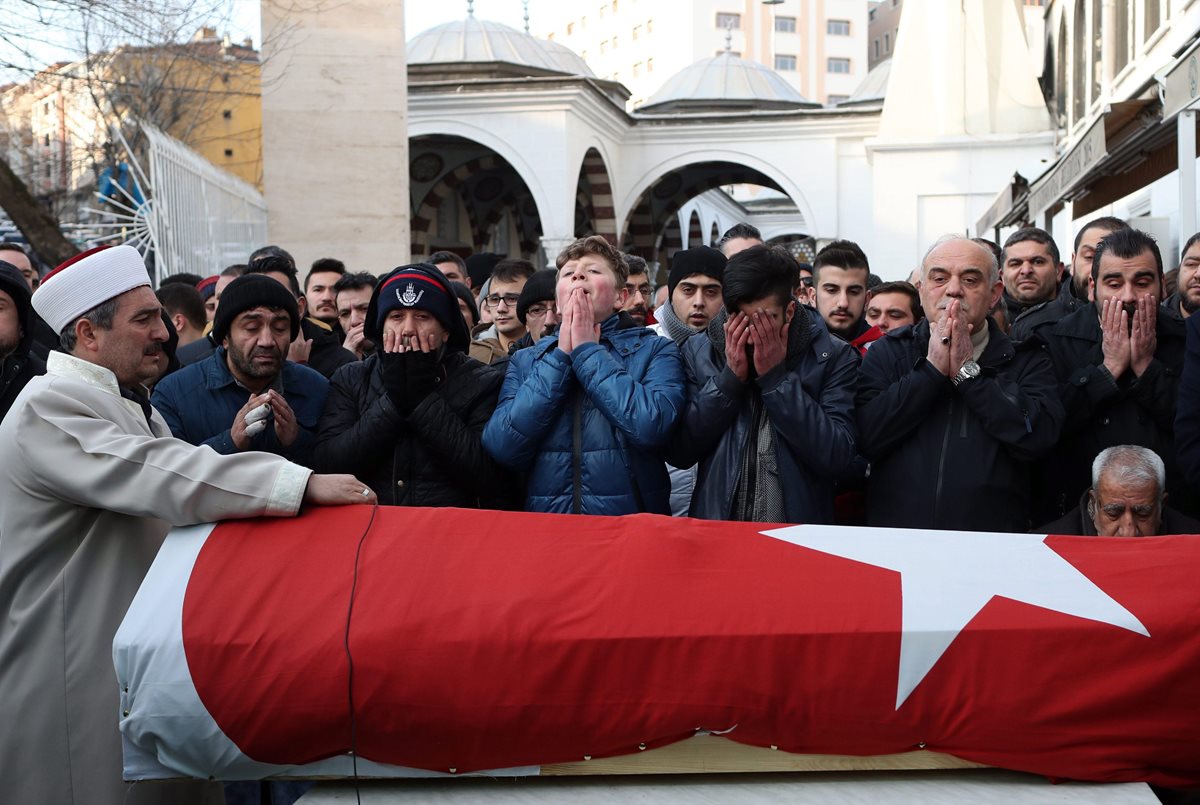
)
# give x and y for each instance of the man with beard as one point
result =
(769, 415)
(639, 290)
(1034, 292)
(1085, 250)
(950, 412)
(1118, 361)
(1186, 299)
(508, 279)
(840, 274)
(247, 395)
(319, 293)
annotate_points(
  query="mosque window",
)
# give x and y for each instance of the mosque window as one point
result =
(837, 27)
(570, 28)
(637, 69)
(614, 43)
(650, 65)
(785, 25)
(784, 62)
(637, 31)
(729, 21)
(838, 65)
(649, 26)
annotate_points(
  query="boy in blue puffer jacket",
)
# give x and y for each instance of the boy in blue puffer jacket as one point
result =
(585, 414)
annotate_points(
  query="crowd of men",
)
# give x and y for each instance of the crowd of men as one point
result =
(995, 391)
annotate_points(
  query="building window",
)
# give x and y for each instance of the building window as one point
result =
(1123, 35)
(785, 25)
(875, 44)
(1078, 62)
(614, 6)
(637, 31)
(1152, 18)
(614, 43)
(550, 36)
(871, 14)
(649, 26)
(227, 114)
(837, 27)
(733, 21)
(603, 46)
(602, 11)
(228, 152)
(570, 28)
(832, 99)
(46, 140)
(783, 62)
(637, 69)
(583, 55)
(583, 21)
(1097, 51)
(650, 65)
(887, 43)
(837, 65)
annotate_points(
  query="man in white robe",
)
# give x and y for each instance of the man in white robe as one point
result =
(91, 481)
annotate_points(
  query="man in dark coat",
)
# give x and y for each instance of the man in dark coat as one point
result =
(409, 418)
(951, 411)
(17, 364)
(1118, 360)
(770, 415)
(1035, 284)
(1127, 499)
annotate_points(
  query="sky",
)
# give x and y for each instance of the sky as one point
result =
(49, 46)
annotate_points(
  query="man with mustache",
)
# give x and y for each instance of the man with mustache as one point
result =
(247, 395)
(639, 290)
(318, 290)
(950, 411)
(1186, 299)
(1118, 360)
(91, 483)
(1034, 291)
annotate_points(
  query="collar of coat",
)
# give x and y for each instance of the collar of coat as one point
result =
(60, 364)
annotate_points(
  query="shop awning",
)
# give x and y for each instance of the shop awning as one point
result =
(1011, 206)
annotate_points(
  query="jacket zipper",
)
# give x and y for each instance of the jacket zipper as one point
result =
(577, 455)
(937, 495)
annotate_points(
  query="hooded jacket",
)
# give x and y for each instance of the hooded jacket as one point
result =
(21, 365)
(434, 455)
(809, 400)
(954, 457)
(587, 427)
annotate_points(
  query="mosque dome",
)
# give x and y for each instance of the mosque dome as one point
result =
(474, 41)
(873, 87)
(725, 82)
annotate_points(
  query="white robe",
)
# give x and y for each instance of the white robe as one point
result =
(88, 491)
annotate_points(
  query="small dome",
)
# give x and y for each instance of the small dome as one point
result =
(873, 86)
(725, 82)
(470, 40)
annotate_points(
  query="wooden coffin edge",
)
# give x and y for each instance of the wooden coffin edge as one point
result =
(704, 754)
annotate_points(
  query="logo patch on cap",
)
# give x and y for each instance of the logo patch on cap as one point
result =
(409, 297)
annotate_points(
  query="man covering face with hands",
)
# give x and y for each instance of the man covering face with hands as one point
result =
(409, 417)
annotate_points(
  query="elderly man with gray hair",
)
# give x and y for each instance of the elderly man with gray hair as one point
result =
(951, 412)
(1127, 499)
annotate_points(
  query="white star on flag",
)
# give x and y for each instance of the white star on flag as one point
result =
(946, 578)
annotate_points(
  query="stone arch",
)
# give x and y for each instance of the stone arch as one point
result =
(594, 211)
(448, 166)
(695, 235)
(740, 167)
(669, 241)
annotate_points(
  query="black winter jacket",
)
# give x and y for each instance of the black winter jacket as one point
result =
(435, 455)
(954, 457)
(809, 399)
(1103, 413)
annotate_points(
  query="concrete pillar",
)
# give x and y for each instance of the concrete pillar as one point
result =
(335, 135)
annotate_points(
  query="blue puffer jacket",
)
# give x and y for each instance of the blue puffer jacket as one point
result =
(621, 397)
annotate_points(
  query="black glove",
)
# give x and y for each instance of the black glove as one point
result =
(423, 373)
(395, 376)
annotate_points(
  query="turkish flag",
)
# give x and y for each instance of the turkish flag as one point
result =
(484, 640)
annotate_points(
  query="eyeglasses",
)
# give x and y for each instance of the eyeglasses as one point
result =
(537, 311)
(494, 300)
(806, 282)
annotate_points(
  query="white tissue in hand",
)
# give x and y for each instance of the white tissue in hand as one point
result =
(256, 420)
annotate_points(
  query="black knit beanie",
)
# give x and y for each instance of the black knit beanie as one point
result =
(697, 260)
(538, 288)
(250, 291)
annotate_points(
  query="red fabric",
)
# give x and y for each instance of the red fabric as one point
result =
(867, 339)
(488, 639)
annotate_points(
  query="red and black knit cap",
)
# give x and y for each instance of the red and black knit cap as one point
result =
(415, 287)
(419, 286)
